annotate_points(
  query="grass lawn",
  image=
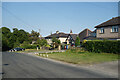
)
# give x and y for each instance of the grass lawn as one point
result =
(83, 57)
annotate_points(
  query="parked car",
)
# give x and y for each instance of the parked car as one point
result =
(51, 48)
(11, 50)
(16, 49)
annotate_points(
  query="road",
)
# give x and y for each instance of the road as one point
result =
(19, 65)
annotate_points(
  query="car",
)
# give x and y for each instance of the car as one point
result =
(51, 48)
(11, 50)
(16, 49)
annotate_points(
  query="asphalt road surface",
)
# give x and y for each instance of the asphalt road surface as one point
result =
(18, 65)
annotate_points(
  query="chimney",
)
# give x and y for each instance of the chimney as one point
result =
(113, 17)
(71, 32)
(57, 32)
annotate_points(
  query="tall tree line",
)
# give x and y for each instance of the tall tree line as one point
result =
(17, 37)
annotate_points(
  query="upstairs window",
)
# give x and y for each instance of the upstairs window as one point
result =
(102, 30)
(114, 28)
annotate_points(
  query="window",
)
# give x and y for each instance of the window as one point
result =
(114, 28)
(90, 34)
(102, 30)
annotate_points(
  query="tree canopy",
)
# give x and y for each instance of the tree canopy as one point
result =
(34, 35)
(41, 42)
(56, 42)
(17, 37)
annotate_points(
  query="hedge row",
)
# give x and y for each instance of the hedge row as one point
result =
(29, 46)
(107, 46)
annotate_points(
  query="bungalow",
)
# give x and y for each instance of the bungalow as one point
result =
(109, 29)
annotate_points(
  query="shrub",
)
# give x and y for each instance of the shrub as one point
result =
(41, 42)
(48, 46)
(77, 42)
(107, 46)
(27, 45)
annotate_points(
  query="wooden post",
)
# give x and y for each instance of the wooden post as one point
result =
(59, 47)
(37, 48)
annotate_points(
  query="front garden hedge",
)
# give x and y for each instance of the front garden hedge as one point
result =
(28, 46)
(107, 46)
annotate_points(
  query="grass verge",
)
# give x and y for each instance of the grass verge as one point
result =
(83, 57)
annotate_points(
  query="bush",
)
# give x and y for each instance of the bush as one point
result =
(107, 46)
(30, 46)
(77, 42)
(26, 45)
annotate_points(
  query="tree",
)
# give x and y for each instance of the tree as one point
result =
(5, 31)
(17, 37)
(0, 37)
(77, 41)
(13, 39)
(34, 35)
(23, 36)
(5, 45)
(44, 42)
(5, 34)
(16, 44)
(41, 42)
(56, 42)
(25, 44)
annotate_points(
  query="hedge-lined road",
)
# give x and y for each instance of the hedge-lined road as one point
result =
(18, 65)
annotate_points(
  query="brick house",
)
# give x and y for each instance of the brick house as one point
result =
(109, 29)
(87, 34)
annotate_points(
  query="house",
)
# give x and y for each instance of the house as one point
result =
(65, 38)
(87, 34)
(109, 29)
(91, 36)
(71, 38)
(59, 35)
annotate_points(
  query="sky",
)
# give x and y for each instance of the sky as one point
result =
(52, 16)
(60, 0)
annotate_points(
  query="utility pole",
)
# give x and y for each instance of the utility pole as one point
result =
(39, 34)
(51, 32)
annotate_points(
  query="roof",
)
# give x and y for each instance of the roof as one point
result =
(60, 34)
(111, 22)
(85, 30)
(41, 38)
(74, 36)
(94, 31)
(84, 33)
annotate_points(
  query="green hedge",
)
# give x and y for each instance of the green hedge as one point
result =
(29, 46)
(107, 46)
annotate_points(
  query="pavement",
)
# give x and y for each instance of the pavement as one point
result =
(19, 65)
